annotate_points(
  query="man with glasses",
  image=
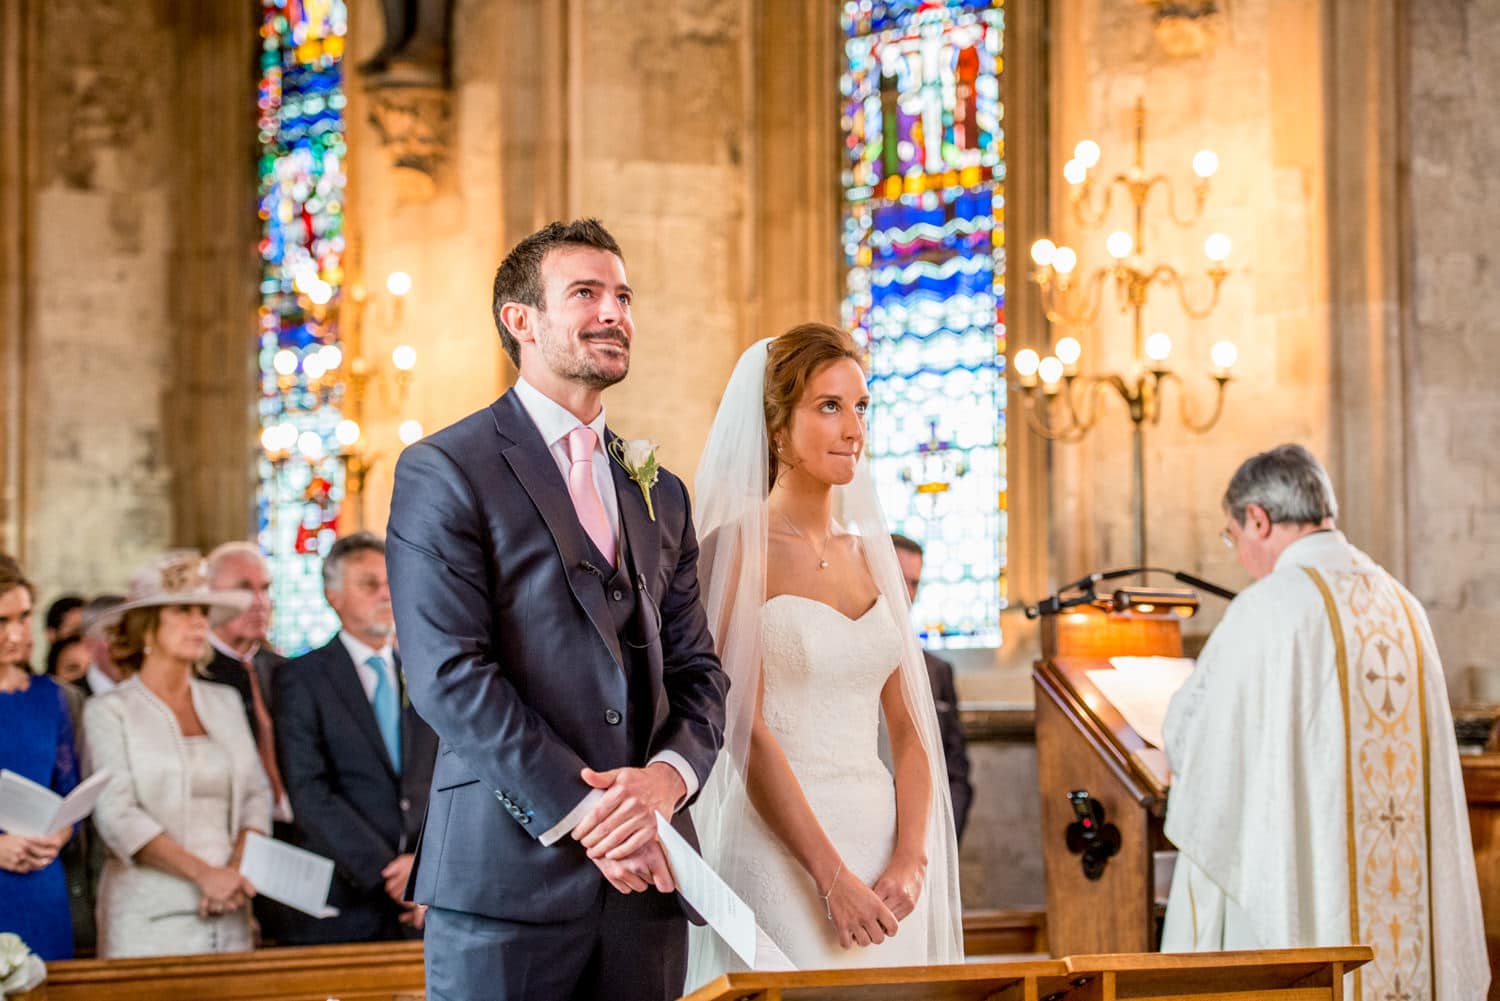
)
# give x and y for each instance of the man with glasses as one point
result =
(1316, 793)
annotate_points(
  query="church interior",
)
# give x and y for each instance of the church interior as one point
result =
(1098, 253)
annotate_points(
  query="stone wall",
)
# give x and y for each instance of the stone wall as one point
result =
(636, 114)
(1453, 494)
(1253, 97)
(96, 480)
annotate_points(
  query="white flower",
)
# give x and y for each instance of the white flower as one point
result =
(637, 451)
(638, 456)
(13, 953)
(19, 969)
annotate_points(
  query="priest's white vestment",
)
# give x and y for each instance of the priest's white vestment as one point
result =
(1316, 794)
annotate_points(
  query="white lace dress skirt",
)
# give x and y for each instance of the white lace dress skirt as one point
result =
(823, 677)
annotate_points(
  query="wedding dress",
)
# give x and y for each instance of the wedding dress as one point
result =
(823, 676)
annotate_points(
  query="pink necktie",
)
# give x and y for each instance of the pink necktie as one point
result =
(581, 442)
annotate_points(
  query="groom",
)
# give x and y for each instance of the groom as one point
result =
(553, 637)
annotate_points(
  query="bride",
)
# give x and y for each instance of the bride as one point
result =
(846, 862)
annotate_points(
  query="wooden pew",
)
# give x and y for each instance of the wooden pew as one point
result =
(378, 971)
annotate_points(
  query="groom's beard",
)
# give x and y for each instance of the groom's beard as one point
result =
(582, 367)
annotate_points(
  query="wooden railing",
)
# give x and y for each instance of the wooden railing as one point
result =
(384, 971)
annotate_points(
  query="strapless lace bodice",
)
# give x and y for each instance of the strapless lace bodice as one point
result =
(823, 676)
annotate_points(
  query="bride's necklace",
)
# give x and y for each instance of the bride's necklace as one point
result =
(822, 563)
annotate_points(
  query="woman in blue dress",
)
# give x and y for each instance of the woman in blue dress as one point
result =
(36, 740)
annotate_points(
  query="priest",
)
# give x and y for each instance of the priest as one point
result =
(1316, 793)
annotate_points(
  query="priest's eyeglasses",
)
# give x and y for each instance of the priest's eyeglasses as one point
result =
(1227, 539)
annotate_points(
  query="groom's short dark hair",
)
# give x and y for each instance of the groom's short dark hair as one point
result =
(519, 277)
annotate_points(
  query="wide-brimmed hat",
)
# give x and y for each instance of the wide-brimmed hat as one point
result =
(179, 577)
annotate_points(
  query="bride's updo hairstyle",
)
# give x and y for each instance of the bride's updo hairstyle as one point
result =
(791, 360)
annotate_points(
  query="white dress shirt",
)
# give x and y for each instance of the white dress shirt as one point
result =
(361, 653)
(98, 681)
(554, 421)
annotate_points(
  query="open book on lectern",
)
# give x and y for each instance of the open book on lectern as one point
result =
(1140, 688)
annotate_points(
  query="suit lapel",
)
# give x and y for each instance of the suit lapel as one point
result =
(536, 471)
(344, 678)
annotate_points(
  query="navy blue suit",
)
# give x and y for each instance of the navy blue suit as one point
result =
(350, 803)
(516, 655)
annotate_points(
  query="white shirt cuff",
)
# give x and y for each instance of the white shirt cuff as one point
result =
(689, 777)
(574, 817)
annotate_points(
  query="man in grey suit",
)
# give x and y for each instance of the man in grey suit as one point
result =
(553, 637)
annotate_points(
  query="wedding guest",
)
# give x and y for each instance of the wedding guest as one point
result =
(187, 787)
(68, 659)
(356, 756)
(944, 694)
(64, 618)
(102, 673)
(242, 656)
(36, 742)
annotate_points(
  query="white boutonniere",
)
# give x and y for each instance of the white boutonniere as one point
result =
(638, 456)
(20, 969)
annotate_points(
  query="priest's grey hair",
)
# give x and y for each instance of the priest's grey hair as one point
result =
(1288, 482)
(341, 550)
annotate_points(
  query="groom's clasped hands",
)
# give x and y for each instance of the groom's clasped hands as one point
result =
(619, 831)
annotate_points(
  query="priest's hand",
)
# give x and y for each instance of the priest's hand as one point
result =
(624, 821)
(859, 915)
(900, 886)
(637, 873)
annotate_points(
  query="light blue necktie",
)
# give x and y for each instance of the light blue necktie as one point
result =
(387, 709)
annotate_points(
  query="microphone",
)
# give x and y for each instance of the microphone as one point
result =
(590, 569)
(1085, 584)
(1203, 585)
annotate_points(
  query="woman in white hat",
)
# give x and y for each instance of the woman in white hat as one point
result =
(188, 784)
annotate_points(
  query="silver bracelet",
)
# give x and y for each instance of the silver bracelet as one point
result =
(831, 884)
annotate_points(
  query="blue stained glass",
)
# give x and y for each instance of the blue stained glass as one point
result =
(301, 133)
(923, 237)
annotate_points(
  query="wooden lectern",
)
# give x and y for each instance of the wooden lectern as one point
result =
(1103, 795)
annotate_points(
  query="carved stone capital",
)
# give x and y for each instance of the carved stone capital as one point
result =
(414, 122)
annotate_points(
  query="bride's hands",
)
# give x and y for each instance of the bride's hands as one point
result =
(900, 885)
(859, 915)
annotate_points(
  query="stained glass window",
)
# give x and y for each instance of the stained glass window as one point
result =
(923, 236)
(301, 131)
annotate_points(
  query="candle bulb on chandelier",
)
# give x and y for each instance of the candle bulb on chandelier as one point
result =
(1120, 245)
(1087, 153)
(1158, 348)
(1025, 363)
(1068, 351)
(347, 433)
(1064, 260)
(1075, 173)
(1224, 354)
(1042, 252)
(1217, 248)
(1205, 163)
(1051, 371)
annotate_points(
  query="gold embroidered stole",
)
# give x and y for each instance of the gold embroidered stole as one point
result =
(1386, 785)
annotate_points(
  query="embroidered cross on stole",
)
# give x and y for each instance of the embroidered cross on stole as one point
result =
(1386, 784)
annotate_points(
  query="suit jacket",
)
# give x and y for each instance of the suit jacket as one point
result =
(955, 751)
(227, 671)
(350, 804)
(511, 655)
